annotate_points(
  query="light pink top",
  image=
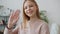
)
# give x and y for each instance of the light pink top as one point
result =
(38, 29)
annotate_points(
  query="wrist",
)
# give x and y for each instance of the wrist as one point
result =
(9, 28)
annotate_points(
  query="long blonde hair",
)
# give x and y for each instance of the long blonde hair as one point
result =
(25, 17)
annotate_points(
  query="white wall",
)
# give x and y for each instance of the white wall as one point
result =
(53, 9)
(11, 4)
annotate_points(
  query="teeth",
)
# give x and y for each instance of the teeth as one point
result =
(29, 11)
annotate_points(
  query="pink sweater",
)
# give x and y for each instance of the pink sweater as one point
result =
(38, 29)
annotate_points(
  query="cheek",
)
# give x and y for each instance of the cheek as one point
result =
(34, 12)
(25, 11)
(34, 9)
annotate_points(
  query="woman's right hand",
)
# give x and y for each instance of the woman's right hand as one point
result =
(13, 18)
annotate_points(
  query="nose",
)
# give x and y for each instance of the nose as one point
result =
(28, 8)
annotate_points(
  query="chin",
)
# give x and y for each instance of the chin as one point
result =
(30, 15)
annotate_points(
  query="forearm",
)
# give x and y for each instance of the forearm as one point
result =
(6, 31)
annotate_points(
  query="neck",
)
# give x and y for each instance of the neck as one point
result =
(33, 18)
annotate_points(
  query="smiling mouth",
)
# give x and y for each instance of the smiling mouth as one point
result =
(30, 12)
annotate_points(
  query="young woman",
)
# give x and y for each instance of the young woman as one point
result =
(32, 24)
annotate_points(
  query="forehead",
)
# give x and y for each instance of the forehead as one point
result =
(29, 3)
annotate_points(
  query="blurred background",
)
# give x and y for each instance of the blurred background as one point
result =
(49, 10)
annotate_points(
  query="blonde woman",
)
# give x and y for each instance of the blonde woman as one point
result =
(32, 24)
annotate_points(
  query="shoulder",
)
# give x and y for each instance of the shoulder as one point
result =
(44, 26)
(44, 29)
(43, 23)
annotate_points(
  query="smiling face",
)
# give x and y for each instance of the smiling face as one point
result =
(30, 8)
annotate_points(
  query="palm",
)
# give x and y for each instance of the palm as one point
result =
(13, 18)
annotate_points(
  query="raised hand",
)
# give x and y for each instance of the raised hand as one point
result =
(13, 18)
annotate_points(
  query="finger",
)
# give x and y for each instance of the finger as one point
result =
(15, 20)
(11, 14)
(17, 13)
